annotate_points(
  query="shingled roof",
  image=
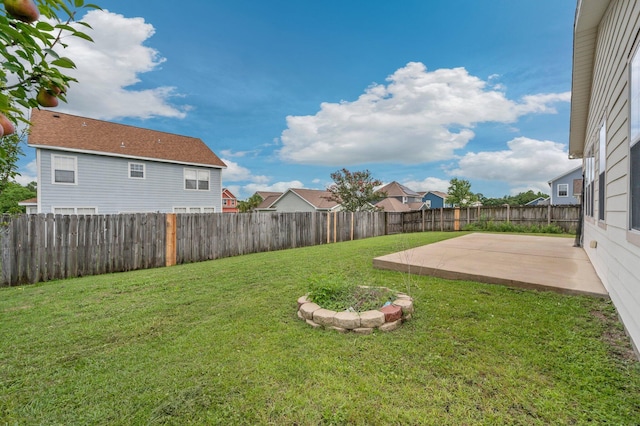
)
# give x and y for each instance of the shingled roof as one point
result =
(54, 130)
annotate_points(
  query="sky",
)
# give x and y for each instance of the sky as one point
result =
(286, 92)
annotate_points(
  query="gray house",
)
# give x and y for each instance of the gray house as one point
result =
(88, 166)
(303, 200)
(605, 133)
(562, 187)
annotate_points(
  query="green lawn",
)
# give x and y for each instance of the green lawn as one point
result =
(219, 343)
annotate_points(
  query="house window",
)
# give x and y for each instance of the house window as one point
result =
(75, 210)
(634, 153)
(136, 170)
(194, 209)
(196, 179)
(64, 169)
(589, 177)
(602, 167)
(563, 190)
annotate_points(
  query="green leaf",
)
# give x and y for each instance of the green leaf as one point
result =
(79, 3)
(63, 62)
(44, 26)
(51, 52)
(65, 27)
(82, 36)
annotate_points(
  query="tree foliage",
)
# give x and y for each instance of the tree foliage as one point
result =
(10, 151)
(31, 59)
(12, 194)
(249, 204)
(513, 200)
(355, 191)
(459, 193)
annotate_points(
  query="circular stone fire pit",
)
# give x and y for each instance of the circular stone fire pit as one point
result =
(387, 318)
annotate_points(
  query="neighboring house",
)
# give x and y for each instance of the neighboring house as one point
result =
(605, 133)
(30, 204)
(392, 205)
(88, 166)
(540, 201)
(304, 200)
(229, 202)
(562, 187)
(400, 193)
(268, 198)
(435, 200)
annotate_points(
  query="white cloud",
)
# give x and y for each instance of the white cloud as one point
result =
(428, 184)
(28, 173)
(274, 187)
(234, 172)
(528, 163)
(419, 116)
(108, 69)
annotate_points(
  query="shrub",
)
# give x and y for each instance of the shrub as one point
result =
(491, 226)
(337, 294)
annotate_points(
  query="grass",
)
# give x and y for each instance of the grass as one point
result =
(219, 343)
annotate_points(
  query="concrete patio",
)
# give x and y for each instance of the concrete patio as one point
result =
(532, 262)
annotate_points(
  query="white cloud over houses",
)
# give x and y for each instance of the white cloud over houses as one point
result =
(108, 70)
(274, 187)
(526, 164)
(428, 184)
(234, 172)
(28, 173)
(418, 116)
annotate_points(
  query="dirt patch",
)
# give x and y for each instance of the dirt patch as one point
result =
(615, 336)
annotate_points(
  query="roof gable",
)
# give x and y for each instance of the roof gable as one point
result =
(54, 130)
(268, 198)
(320, 199)
(438, 194)
(394, 189)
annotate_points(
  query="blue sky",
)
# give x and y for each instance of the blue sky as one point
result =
(286, 92)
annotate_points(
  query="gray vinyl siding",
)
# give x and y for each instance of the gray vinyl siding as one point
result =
(103, 182)
(291, 202)
(607, 242)
(565, 180)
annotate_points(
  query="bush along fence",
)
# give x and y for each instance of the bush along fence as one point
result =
(45, 247)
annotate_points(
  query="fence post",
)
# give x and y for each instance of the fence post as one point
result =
(549, 214)
(508, 212)
(352, 214)
(171, 240)
(441, 219)
(456, 219)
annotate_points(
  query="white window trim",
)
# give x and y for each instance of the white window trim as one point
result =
(53, 169)
(188, 208)
(567, 190)
(633, 235)
(75, 209)
(197, 171)
(144, 170)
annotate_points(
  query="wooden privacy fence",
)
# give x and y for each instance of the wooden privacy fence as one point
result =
(454, 219)
(46, 247)
(43, 247)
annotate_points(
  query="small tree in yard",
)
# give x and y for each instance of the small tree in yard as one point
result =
(355, 191)
(459, 193)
